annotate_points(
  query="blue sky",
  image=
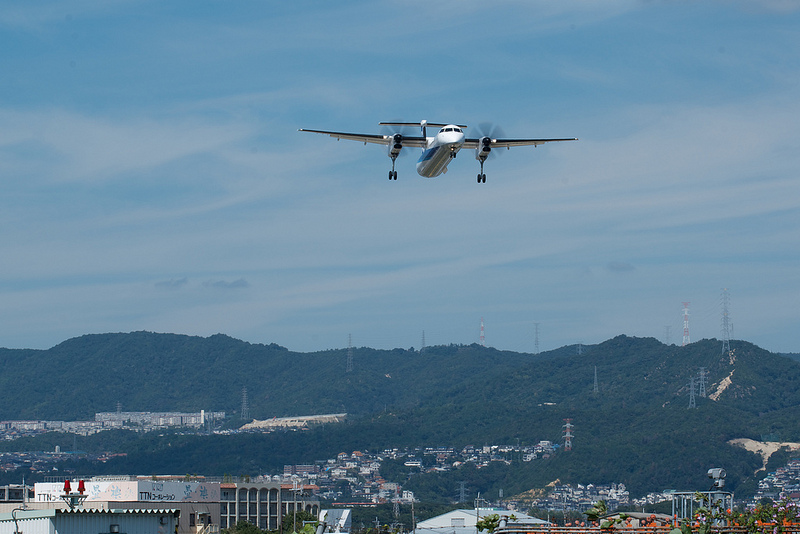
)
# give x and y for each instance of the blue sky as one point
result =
(154, 178)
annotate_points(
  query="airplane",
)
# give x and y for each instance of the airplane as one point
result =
(437, 151)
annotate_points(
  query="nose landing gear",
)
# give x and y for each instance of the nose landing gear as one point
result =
(393, 173)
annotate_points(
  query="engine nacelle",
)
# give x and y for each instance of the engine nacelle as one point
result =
(484, 147)
(396, 145)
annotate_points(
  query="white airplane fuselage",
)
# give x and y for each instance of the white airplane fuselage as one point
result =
(441, 148)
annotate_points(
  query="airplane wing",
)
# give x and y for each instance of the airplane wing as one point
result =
(413, 141)
(472, 142)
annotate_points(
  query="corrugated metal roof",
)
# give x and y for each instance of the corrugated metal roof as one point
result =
(152, 511)
(28, 514)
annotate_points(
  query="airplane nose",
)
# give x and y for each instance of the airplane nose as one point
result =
(452, 137)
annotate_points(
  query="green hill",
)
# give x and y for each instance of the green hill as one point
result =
(637, 428)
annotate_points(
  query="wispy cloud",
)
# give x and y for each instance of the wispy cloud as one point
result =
(174, 283)
(239, 283)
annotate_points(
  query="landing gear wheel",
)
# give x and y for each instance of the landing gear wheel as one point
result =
(481, 176)
(390, 174)
(394, 175)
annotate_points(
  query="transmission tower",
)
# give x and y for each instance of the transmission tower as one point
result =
(245, 405)
(726, 325)
(685, 324)
(568, 434)
(667, 336)
(692, 401)
(702, 378)
(536, 338)
(483, 334)
(349, 368)
(422, 347)
(596, 389)
(462, 491)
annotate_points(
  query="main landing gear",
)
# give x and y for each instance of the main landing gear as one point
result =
(393, 173)
(481, 176)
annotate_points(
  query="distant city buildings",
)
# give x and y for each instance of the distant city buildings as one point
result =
(350, 479)
(139, 421)
(783, 483)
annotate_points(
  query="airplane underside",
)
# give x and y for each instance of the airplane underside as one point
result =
(434, 161)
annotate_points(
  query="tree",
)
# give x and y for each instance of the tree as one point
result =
(302, 516)
(489, 523)
(243, 527)
(598, 511)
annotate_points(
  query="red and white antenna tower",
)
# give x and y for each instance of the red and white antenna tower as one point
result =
(483, 337)
(568, 435)
(685, 324)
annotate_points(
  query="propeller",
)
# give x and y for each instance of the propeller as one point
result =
(402, 130)
(490, 130)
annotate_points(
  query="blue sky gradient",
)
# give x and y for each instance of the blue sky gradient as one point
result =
(154, 178)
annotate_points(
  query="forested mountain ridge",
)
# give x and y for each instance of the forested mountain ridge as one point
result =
(636, 428)
(167, 372)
